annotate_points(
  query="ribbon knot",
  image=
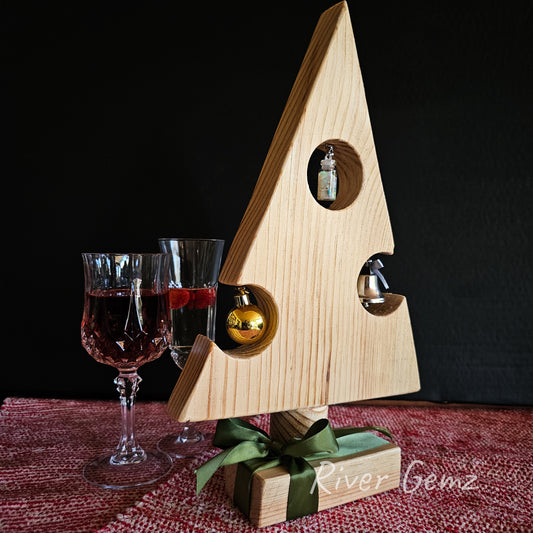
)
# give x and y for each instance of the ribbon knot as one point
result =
(253, 450)
(276, 447)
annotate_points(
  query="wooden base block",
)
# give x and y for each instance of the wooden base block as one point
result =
(339, 481)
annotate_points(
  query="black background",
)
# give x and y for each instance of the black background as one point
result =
(128, 121)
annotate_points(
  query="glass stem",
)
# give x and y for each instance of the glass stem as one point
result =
(128, 451)
(190, 434)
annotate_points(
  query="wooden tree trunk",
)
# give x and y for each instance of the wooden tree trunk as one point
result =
(286, 425)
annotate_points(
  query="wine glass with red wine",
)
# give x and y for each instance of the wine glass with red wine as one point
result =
(194, 269)
(126, 323)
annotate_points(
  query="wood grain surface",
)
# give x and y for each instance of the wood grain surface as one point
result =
(301, 261)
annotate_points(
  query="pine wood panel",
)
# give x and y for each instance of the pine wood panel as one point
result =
(302, 261)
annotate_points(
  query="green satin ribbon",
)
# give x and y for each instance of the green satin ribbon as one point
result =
(254, 450)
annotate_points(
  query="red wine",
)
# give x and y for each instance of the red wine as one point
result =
(125, 328)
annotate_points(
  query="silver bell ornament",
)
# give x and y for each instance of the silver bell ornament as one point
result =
(368, 284)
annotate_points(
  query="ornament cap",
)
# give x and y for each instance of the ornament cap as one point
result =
(328, 163)
(242, 297)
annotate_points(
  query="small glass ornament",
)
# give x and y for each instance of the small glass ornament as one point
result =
(327, 178)
(246, 322)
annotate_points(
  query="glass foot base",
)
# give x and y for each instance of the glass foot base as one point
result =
(179, 448)
(102, 473)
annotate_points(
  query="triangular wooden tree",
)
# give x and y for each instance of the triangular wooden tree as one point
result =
(302, 261)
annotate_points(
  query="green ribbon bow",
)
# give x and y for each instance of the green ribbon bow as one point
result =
(254, 450)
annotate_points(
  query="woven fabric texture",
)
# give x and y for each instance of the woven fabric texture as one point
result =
(463, 470)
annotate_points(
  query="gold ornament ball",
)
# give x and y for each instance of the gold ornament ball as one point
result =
(246, 324)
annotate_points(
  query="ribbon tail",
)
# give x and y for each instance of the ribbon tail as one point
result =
(341, 432)
(302, 499)
(241, 452)
(204, 472)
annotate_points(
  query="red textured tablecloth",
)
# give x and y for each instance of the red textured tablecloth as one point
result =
(484, 454)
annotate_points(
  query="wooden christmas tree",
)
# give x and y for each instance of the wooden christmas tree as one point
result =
(301, 261)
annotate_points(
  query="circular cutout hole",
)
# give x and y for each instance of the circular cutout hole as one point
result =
(349, 173)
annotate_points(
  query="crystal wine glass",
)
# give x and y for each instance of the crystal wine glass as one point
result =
(126, 324)
(194, 269)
